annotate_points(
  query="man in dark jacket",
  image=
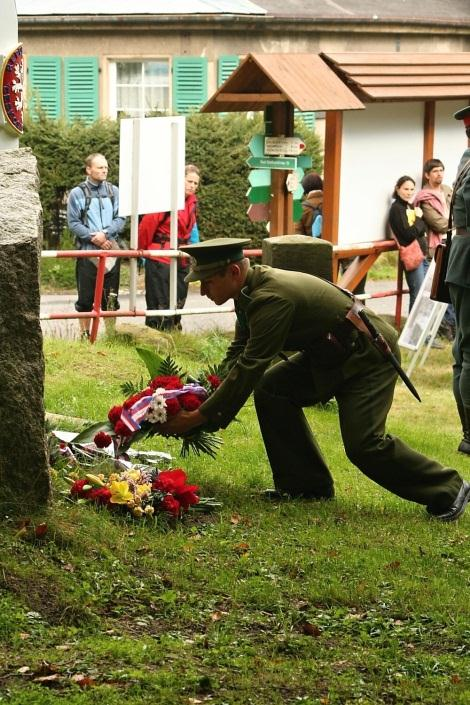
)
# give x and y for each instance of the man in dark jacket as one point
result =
(282, 310)
(458, 278)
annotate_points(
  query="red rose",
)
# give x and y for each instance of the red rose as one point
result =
(170, 504)
(114, 414)
(190, 402)
(101, 495)
(172, 407)
(170, 481)
(187, 497)
(214, 381)
(120, 429)
(102, 439)
(166, 382)
(132, 400)
(77, 488)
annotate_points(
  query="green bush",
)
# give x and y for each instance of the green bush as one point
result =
(217, 144)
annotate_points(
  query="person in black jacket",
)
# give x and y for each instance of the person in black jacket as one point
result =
(407, 224)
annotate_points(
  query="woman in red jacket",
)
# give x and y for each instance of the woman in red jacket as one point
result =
(154, 234)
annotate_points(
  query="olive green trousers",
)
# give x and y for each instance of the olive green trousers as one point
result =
(364, 401)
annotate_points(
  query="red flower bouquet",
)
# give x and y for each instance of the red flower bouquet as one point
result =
(142, 491)
(143, 410)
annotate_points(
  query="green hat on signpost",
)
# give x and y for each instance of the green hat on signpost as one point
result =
(209, 257)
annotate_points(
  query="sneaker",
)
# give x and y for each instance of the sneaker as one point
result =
(457, 507)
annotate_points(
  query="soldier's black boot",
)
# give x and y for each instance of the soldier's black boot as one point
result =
(464, 445)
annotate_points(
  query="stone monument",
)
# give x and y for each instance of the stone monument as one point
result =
(24, 476)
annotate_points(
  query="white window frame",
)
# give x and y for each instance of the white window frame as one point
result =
(112, 80)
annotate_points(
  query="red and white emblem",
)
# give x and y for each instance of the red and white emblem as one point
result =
(12, 89)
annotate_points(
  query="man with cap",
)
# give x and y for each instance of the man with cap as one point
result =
(458, 279)
(281, 310)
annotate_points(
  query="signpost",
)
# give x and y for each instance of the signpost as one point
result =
(271, 193)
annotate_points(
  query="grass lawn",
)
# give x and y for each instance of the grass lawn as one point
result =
(360, 600)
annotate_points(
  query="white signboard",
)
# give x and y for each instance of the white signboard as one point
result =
(283, 146)
(152, 150)
(423, 322)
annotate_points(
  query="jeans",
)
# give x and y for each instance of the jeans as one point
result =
(414, 279)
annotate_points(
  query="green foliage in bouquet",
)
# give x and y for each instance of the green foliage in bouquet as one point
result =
(122, 426)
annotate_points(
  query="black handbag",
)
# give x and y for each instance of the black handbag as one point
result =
(439, 288)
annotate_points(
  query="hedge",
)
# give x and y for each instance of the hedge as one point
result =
(218, 144)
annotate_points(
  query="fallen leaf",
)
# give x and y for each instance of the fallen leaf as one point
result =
(40, 530)
(69, 568)
(241, 548)
(23, 669)
(48, 680)
(394, 565)
(455, 678)
(235, 519)
(24, 636)
(310, 629)
(103, 354)
(82, 681)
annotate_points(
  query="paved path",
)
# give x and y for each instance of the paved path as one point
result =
(68, 328)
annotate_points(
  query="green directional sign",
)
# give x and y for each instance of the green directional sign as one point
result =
(260, 177)
(304, 161)
(296, 210)
(259, 194)
(272, 162)
(256, 145)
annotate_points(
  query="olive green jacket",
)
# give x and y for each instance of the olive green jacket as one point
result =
(458, 270)
(277, 311)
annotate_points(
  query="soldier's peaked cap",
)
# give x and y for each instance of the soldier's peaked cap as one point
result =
(209, 257)
(463, 114)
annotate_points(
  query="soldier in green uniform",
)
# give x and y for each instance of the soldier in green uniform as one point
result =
(458, 279)
(282, 310)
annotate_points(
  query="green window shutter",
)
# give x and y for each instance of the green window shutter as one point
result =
(44, 86)
(189, 83)
(225, 66)
(308, 118)
(81, 87)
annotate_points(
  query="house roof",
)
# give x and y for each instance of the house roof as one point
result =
(432, 12)
(137, 7)
(305, 80)
(397, 76)
(373, 11)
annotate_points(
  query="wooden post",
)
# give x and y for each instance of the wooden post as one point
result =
(282, 223)
(428, 127)
(332, 173)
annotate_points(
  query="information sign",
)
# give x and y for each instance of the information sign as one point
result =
(272, 162)
(285, 146)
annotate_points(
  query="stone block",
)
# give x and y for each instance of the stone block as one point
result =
(299, 253)
(24, 476)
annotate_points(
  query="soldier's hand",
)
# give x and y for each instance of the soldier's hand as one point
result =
(183, 422)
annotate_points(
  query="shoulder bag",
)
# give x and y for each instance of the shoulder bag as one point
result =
(411, 255)
(439, 288)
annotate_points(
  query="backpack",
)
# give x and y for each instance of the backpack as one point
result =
(87, 193)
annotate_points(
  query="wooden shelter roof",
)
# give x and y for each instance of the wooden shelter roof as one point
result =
(396, 76)
(304, 80)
